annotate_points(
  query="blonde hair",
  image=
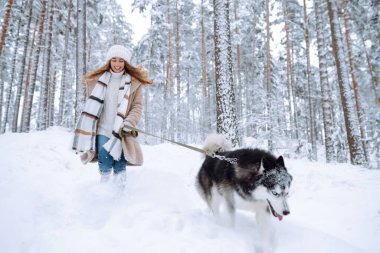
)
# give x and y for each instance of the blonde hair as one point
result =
(137, 72)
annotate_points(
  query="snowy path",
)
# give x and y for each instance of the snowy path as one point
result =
(50, 202)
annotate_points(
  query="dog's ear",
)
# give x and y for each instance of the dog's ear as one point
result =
(266, 164)
(280, 162)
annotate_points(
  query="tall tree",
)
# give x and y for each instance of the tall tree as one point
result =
(205, 94)
(350, 117)
(8, 9)
(47, 85)
(312, 125)
(12, 81)
(177, 64)
(354, 80)
(23, 67)
(80, 37)
(169, 66)
(29, 104)
(225, 96)
(290, 73)
(268, 79)
(325, 87)
(63, 103)
(239, 85)
(27, 79)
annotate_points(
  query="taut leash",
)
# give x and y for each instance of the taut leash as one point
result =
(134, 132)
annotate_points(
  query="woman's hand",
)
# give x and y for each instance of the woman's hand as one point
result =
(126, 130)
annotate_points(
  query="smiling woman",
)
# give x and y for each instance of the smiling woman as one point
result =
(114, 100)
(140, 22)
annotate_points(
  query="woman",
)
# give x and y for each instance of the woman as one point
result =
(114, 101)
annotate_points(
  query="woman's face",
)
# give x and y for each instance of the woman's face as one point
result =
(117, 64)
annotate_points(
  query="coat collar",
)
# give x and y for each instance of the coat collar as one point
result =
(135, 83)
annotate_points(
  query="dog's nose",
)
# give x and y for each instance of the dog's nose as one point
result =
(285, 212)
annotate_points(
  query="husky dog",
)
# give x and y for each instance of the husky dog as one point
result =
(257, 181)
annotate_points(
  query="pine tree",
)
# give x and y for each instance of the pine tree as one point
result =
(312, 124)
(47, 85)
(354, 80)
(268, 79)
(350, 117)
(28, 111)
(63, 103)
(8, 10)
(12, 81)
(205, 93)
(23, 67)
(324, 84)
(225, 96)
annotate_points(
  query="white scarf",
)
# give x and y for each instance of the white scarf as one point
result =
(85, 133)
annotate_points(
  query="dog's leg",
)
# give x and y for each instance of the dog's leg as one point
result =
(230, 204)
(265, 227)
(215, 199)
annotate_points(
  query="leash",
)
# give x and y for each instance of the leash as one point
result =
(134, 132)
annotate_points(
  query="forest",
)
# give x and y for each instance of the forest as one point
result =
(297, 77)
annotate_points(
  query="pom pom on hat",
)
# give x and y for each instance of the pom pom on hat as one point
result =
(119, 51)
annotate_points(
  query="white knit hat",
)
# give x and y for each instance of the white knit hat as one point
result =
(119, 51)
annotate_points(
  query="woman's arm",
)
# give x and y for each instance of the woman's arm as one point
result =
(134, 115)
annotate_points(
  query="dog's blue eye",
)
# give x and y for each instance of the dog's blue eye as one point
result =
(275, 193)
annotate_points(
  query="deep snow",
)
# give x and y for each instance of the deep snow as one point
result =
(50, 202)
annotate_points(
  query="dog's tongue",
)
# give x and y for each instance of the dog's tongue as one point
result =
(279, 217)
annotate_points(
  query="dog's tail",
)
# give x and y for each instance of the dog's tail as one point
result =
(215, 143)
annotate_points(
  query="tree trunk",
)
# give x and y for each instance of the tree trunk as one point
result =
(80, 56)
(84, 38)
(251, 103)
(7, 16)
(29, 104)
(47, 83)
(63, 103)
(2, 70)
(12, 81)
(372, 72)
(289, 73)
(350, 117)
(325, 88)
(310, 90)
(359, 109)
(169, 70)
(23, 67)
(239, 85)
(268, 79)
(205, 108)
(225, 97)
(177, 74)
(27, 80)
(52, 90)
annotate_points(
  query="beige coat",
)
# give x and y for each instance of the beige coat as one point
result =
(131, 148)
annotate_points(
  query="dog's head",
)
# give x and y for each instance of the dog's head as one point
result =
(273, 187)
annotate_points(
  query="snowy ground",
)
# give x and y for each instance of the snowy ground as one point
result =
(50, 202)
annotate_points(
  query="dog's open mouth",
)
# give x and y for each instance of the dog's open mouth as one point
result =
(275, 214)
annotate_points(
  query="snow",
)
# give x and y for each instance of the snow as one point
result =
(50, 202)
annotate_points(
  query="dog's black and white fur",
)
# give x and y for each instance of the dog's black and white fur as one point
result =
(258, 182)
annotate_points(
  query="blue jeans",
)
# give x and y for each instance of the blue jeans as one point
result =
(106, 161)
